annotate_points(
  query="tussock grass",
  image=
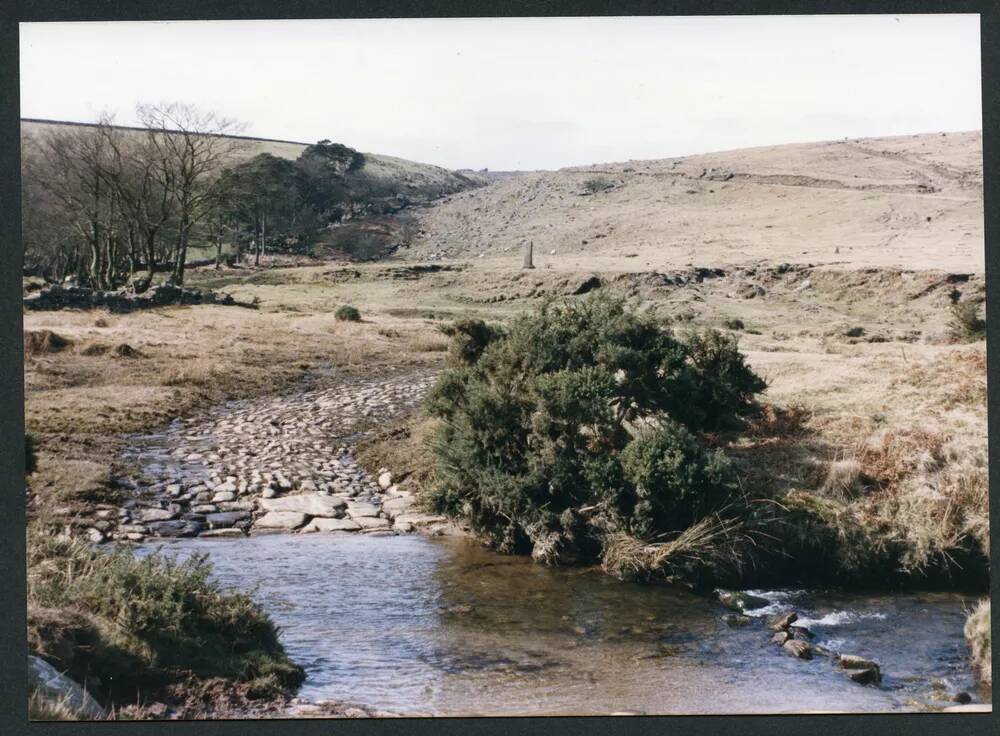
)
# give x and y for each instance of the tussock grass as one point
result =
(428, 343)
(194, 372)
(42, 708)
(710, 542)
(41, 342)
(979, 638)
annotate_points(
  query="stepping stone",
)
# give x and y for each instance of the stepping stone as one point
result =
(312, 504)
(368, 523)
(358, 510)
(222, 534)
(331, 525)
(225, 519)
(281, 520)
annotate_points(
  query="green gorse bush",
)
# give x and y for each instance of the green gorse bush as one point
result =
(585, 420)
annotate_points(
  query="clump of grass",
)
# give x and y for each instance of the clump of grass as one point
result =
(141, 623)
(94, 348)
(191, 373)
(44, 341)
(965, 324)
(423, 343)
(42, 708)
(978, 636)
(712, 542)
(842, 477)
(347, 313)
(597, 184)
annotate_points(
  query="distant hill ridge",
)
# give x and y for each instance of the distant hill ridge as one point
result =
(417, 179)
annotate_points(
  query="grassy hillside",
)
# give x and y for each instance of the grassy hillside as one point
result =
(908, 202)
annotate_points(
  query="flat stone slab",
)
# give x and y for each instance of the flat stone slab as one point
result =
(312, 504)
(367, 522)
(358, 510)
(225, 519)
(154, 515)
(175, 528)
(396, 506)
(222, 533)
(281, 520)
(331, 525)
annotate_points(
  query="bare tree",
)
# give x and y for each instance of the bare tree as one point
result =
(192, 148)
(68, 165)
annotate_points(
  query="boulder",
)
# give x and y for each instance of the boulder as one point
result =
(780, 637)
(801, 632)
(385, 480)
(219, 496)
(859, 669)
(312, 504)
(153, 515)
(854, 662)
(781, 623)
(739, 601)
(330, 525)
(175, 528)
(51, 684)
(737, 620)
(281, 520)
(797, 648)
(867, 676)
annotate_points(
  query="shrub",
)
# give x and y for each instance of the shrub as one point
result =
(140, 622)
(347, 313)
(597, 184)
(579, 422)
(966, 325)
(469, 338)
(676, 481)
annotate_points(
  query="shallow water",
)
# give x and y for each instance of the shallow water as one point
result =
(443, 627)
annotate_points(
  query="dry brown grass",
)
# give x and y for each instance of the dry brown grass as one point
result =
(979, 637)
(709, 542)
(42, 708)
(41, 342)
(428, 343)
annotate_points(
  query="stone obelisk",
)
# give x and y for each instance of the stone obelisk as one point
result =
(528, 249)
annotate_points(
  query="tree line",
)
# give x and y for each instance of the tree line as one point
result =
(110, 207)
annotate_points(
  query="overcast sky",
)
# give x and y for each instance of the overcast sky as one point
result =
(524, 93)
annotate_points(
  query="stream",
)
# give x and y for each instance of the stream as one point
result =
(440, 626)
(418, 624)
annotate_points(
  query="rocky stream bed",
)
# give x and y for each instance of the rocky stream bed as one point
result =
(278, 464)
